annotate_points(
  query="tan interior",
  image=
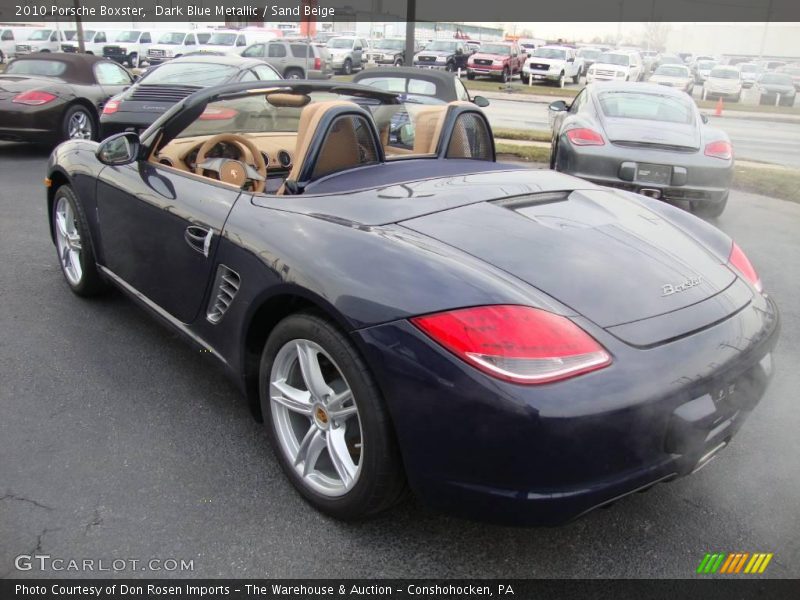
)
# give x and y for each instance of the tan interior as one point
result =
(428, 129)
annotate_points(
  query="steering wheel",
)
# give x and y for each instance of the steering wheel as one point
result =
(235, 172)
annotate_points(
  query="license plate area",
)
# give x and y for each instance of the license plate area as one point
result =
(647, 173)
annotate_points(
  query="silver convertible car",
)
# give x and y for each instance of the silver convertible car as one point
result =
(644, 138)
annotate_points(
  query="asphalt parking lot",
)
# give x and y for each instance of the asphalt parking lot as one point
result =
(119, 441)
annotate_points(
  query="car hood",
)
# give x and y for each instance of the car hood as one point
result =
(609, 66)
(779, 88)
(723, 84)
(652, 132)
(546, 61)
(435, 53)
(670, 79)
(605, 256)
(487, 56)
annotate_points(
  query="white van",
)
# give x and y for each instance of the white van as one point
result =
(171, 44)
(128, 47)
(93, 41)
(229, 41)
(40, 40)
(9, 38)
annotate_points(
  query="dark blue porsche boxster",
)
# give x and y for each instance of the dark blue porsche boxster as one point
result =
(513, 345)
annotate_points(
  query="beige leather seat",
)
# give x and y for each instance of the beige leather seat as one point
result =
(428, 129)
(339, 151)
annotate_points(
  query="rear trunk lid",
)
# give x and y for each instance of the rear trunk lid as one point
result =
(606, 257)
(652, 133)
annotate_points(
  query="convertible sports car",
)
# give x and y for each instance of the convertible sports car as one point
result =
(514, 345)
(645, 138)
(52, 96)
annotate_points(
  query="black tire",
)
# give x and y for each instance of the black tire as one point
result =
(450, 67)
(347, 67)
(2, 57)
(91, 282)
(506, 76)
(293, 73)
(133, 60)
(398, 62)
(709, 210)
(738, 97)
(471, 76)
(381, 482)
(577, 77)
(75, 111)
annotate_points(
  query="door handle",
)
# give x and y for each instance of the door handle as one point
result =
(199, 238)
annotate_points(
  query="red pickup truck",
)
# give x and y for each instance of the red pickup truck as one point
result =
(501, 60)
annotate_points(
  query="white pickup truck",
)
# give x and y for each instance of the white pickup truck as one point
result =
(553, 64)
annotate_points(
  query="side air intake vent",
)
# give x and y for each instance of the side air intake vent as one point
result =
(226, 285)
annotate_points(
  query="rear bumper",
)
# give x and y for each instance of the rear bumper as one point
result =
(695, 177)
(544, 455)
(35, 124)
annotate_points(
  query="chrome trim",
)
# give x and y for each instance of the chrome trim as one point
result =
(160, 311)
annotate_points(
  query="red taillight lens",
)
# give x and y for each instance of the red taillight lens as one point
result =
(722, 150)
(741, 263)
(34, 98)
(317, 64)
(111, 107)
(585, 137)
(213, 113)
(516, 343)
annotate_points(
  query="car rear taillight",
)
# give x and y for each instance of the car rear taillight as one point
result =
(741, 263)
(34, 98)
(317, 64)
(213, 113)
(585, 137)
(516, 343)
(720, 149)
(111, 107)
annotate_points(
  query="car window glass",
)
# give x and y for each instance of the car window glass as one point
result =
(43, 68)
(248, 75)
(254, 51)
(277, 51)
(647, 106)
(109, 73)
(461, 91)
(265, 73)
(240, 41)
(146, 39)
(8, 36)
(577, 103)
(299, 50)
(190, 41)
(202, 38)
(100, 37)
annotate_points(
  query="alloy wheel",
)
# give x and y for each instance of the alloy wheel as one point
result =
(68, 241)
(316, 419)
(80, 126)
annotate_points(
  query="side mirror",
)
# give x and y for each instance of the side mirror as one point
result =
(480, 101)
(558, 106)
(704, 118)
(120, 149)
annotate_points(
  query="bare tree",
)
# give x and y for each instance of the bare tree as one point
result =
(654, 36)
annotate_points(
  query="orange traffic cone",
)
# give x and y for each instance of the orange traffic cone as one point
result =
(718, 109)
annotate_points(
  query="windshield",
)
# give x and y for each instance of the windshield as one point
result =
(776, 78)
(127, 36)
(672, 71)
(725, 74)
(748, 68)
(441, 46)
(495, 49)
(668, 59)
(402, 85)
(340, 43)
(42, 34)
(222, 39)
(650, 107)
(590, 54)
(706, 65)
(43, 68)
(610, 58)
(550, 53)
(390, 44)
(172, 38)
(190, 73)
